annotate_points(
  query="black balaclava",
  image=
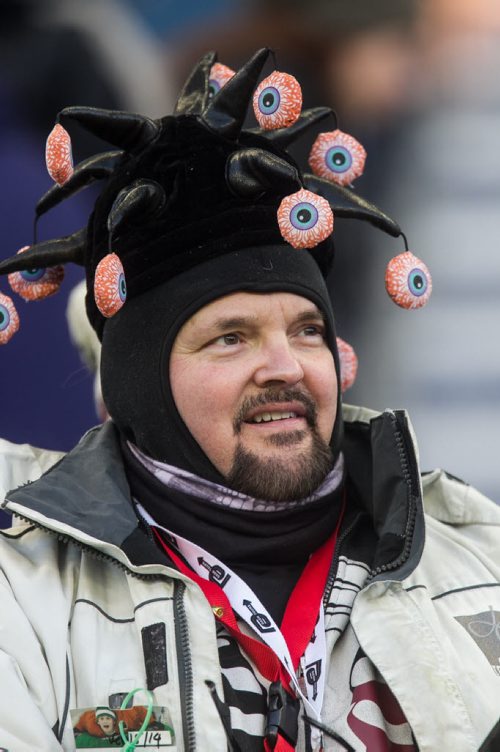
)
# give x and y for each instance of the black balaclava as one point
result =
(188, 214)
(137, 343)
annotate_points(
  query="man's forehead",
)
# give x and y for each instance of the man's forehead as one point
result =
(251, 307)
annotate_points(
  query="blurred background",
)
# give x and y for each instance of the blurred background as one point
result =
(415, 81)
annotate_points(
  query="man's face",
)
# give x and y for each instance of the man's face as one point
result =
(254, 381)
(107, 724)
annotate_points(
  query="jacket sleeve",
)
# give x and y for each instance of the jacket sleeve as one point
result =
(27, 704)
(20, 463)
(33, 675)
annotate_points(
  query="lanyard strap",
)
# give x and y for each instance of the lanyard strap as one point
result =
(301, 626)
(264, 658)
(283, 706)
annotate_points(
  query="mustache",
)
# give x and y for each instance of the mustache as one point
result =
(273, 396)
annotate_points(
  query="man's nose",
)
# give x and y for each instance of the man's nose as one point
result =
(278, 364)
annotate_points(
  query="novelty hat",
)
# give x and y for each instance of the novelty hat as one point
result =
(195, 206)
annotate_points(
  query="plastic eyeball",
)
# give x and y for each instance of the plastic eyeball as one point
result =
(277, 101)
(9, 319)
(348, 364)
(338, 157)
(408, 281)
(110, 288)
(219, 76)
(58, 156)
(36, 284)
(305, 219)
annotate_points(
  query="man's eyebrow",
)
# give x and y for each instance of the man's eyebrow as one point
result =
(237, 322)
(233, 322)
(310, 313)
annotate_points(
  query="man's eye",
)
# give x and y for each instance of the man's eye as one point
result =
(313, 331)
(228, 339)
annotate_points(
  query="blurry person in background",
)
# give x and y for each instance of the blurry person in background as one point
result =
(86, 342)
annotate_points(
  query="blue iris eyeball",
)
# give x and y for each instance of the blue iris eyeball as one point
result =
(4, 318)
(122, 288)
(417, 282)
(36, 283)
(305, 219)
(213, 88)
(277, 101)
(338, 159)
(304, 216)
(219, 76)
(269, 100)
(110, 288)
(9, 319)
(408, 281)
(32, 275)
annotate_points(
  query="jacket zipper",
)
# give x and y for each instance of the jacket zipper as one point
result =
(181, 634)
(335, 561)
(185, 667)
(410, 474)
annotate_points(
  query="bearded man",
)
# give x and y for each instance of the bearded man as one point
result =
(235, 547)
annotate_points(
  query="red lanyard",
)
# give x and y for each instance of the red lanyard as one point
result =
(298, 622)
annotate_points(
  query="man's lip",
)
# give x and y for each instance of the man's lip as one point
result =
(276, 407)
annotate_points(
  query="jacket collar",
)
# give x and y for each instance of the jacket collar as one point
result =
(382, 464)
(84, 491)
(86, 494)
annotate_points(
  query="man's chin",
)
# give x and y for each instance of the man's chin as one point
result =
(284, 475)
(299, 439)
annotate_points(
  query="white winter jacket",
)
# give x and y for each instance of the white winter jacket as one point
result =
(88, 611)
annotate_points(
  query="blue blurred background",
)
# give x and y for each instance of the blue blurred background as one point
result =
(416, 82)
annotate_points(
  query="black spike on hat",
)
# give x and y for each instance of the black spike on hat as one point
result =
(349, 204)
(96, 167)
(194, 94)
(127, 130)
(187, 214)
(220, 186)
(227, 110)
(70, 248)
(283, 137)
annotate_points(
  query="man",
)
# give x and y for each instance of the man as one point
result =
(234, 541)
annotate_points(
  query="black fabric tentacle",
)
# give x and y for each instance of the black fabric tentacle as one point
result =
(347, 203)
(226, 112)
(283, 137)
(143, 198)
(127, 130)
(194, 94)
(252, 172)
(96, 167)
(49, 253)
